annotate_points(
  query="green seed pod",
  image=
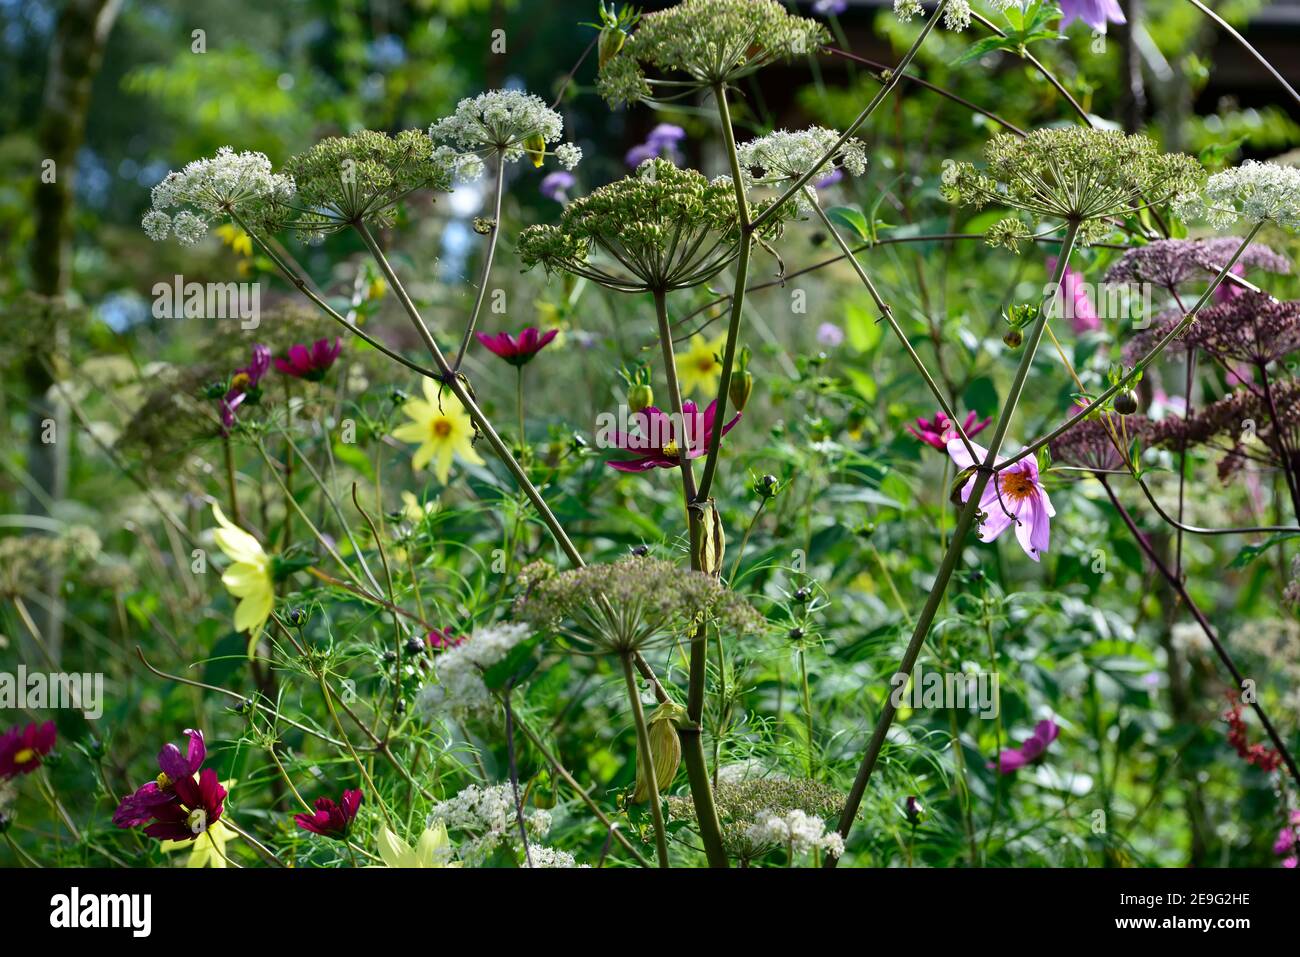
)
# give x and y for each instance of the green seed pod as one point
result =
(611, 41)
(1126, 402)
(708, 543)
(666, 749)
(742, 384)
(1013, 338)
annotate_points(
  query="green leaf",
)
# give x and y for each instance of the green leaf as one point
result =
(354, 457)
(863, 332)
(1252, 552)
(851, 217)
(987, 45)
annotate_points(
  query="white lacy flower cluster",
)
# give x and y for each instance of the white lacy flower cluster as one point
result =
(460, 686)
(540, 856)
(216, 186)
(510, 122)
(486, 817)
(956, 15)
(800, 833)
(1254, 191)
(787, 155)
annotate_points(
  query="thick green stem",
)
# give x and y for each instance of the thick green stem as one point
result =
(647, 763)
(965, 520)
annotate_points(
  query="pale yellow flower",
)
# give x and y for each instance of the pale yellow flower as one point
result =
(432, 850)
(442, 428)
(248, 578)
(700, 366)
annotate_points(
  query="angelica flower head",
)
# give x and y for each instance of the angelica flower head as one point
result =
(1168, 263)
(511, 123)
(956, 15)
(1076, 174)
(362, 178)
(487, 818)
(745, 801)
(711, 42)
(663, 228)
(225, 185)
(786, 155)
(798, 832)
(1256, 192)
(630, 604)
(460, 688)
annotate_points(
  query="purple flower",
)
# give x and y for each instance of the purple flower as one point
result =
(830, 335)
(243, 383)
(21, 749)
(518, 350)
(1013, 759)
(830, 8)
(830, 179)
(1095, 13)
(556, 185)
(1083, 317)
(310, 363)
(332, 820)
(659, 441)
(181, 806)
(1014, 496)
(662, 141)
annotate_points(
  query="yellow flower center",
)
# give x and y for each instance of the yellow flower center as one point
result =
(23, 756)
(441, 428)
(163, 781)
(240, 381)
(672, 450)
(1017, 486)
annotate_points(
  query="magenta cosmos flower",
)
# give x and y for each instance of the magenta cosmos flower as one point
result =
(442, 639)
(1013, 759)
(1015, 496)
(518, 350)
(21, 749)
(940, 431)
(243, 383)
(1095, 13)
(310, 362)
(180, 805)
(659, 440)
(332, 820)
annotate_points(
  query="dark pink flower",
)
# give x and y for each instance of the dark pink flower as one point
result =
(181, 806)
(310, 363)
(332, 820)
(443, 639)
(21, 749)
(518, 350)
(1013, 759)
(243, 384)
(660, 438)
(940, 432)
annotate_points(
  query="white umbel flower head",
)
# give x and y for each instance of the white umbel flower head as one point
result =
(1256, 192)
(539, 856)
(227, 184)
(487, 818)
(797, 832)
(956, 15)
(460, 688)
(509, 122)
(786, 155)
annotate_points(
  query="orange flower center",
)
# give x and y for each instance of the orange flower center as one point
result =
(706, 364)
(1017, 486)
(441, 428)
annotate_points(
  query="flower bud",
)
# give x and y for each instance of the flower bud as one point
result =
(742, 384)
(665, 749)
(708, 543)
(1013, 338)
(914, 810)
(297, 617)
(796, 634)
(1126, 402)
(640, 397)
(414, 646)
(535, 147)
(611, 41)
(767, 487)
(803, 594)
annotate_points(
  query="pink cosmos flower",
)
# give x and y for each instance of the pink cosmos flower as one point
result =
(1013, 496)
(940, 432)
(518, 350)
(1095, 13)
(658, 437)
(21, 749)
(1080, 311)
(243, 383)
(443, 639)
(1013, 759)
(310, 363)
(332, 820)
